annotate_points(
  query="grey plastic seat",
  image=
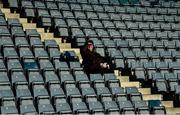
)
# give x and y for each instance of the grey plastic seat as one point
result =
(17, 76)
(86, 7)
(39, 90)
(21, 41)
(55, 13)
(6, 40)
(40, 52)
(50, 76)
(59, 23)
(17, 31)
(93, 103)
(90, 32)
(49, 43)
(109, 43)
(175, 27)
(91, 15)
(32, 32)
(67, 14)
(54, 52)
(148, 18)
(35, 41)
(94, 77)
(80, 75)
(100, 87)
(27, 109)
(108, 8)
(75, 7)
(151, 10)
(80, 15)
(108, 24)
(126, 34)
(60, 64)
(86, 89)
(150, 34)
(154, 26)
(101, 33)
(70, 88)
(169, 19)
(140, 74)
(72, 23)
(34, 76)
(65, 75)
(62, 106)
(78, 106)
(84, 23)
(45, 64)
(6, 90)
(9, 51)
(13, 22)
(124, 104)
(51, 5)
(97, 8)
(13, 64)
(161, 85)
(4, 76)
(39, 4)
(103, 16)
(96, 24)
(130, 90)
(55, 89)
(139, 104)
(63, 6)
(22, 90)
(44, 106)
(113, 16)
(126, 17)
(9, 110)
(77, 32)
(63, 32)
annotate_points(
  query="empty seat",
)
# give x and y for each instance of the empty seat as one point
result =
(22, 90)
(17, 76)
(55, 89)
(6, 90)
(44, 105)
(93, 104)
(70, 88)
(86, 89)
(65, 75)
(100, 88)
(38, 90)
(13, 63)
(80, 75)
(45, 64)
(78, 106)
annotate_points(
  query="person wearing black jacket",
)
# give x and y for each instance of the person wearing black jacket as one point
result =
(92, 61)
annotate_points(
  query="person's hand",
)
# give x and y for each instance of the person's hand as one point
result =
(104, 65)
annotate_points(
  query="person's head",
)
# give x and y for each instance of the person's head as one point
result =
(90, 45)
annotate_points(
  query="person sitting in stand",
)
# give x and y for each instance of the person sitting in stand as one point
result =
(93, 62)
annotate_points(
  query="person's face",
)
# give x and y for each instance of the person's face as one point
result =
(90, 46)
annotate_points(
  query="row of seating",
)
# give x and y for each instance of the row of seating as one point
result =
(77, 105)
(143, 3)
(87, 24)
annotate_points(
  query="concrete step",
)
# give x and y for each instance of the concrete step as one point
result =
(172, 111)
(152, 97)
(123, 79)
(144, 91)
(130, 84)
(167, 103)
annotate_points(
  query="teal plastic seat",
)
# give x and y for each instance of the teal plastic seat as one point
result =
(123, 2)
(154, 103)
